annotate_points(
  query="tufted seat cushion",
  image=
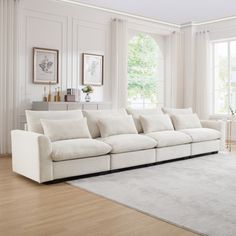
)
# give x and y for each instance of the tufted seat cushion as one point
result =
(170, 138)
(78, 148)
(202, 134)
(129, 142)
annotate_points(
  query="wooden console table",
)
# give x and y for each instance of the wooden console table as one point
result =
(63, 106)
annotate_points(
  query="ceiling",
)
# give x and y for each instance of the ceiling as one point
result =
(171, 11)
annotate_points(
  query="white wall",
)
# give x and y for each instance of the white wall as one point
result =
(73, 30)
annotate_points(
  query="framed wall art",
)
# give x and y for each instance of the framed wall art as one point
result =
(92, 69)
(45, 66)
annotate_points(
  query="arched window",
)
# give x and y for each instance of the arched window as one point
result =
(145, 72)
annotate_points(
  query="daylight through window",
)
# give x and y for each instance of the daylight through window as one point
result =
(145, 72)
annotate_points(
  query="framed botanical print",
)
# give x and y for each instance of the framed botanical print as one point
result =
(45, 68)
(93, 66)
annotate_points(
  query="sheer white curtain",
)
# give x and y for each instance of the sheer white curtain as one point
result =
(202, 73)
(174, 71)
(119, 63)
(177, 70)
(8, 71)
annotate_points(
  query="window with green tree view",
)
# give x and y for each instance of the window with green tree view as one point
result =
(224, 76)
(145, 72)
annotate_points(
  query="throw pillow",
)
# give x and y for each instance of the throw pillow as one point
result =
(186, 121)
(94, 115)
(156, 123)
(66, 129)
(33, 118)
(116, 125)
(136, 113)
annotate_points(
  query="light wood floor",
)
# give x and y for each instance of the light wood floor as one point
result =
(27, 208)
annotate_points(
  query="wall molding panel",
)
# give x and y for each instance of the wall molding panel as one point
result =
(73, 30)
(29, 28)
(70, 34)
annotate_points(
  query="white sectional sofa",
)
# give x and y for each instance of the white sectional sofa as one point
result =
(61, 144)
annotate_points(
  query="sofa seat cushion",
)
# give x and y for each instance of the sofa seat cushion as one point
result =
(170, 138)
(202, 134)
(78, 148)
(129, 142)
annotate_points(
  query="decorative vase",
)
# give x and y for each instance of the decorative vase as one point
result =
(87, 97)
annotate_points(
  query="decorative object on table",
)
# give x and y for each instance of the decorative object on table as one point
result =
(58, 94)
(69, 97)
(92, 69)
(75, 92)
(44, 94)
(49, 92)
(69, 91)
(87, 89)
(55, 95)
(45, 66)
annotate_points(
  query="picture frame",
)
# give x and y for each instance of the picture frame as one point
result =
(45, 66)
(92, 69)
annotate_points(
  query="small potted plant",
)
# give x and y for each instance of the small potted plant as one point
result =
(87, 89)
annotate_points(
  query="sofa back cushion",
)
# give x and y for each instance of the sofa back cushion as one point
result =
(94, 115)
(155, 123)
(65, 129)
(136, 113)
(116, 125)
(34, 123)
(178, 111)
(186, 121)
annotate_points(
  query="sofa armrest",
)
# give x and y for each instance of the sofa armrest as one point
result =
(31, 155)
(217, 125)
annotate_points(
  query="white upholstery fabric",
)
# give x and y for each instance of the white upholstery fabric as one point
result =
(205, 147)
(33, 118)
(116, 125)
(169, 138)
(78, 148)
(129, 142)
(178, 111)
(154, 123)
(123, 160)
(31, 155)
(94, 116)
(65, 129)
(64, 169)
(186, 121)
(217, 125)
(173, 152)
(136, 113)
(202, 134)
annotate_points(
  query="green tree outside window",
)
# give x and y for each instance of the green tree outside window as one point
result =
(143, 57)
